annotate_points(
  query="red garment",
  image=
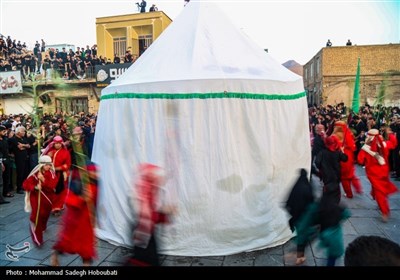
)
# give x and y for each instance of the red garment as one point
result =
(332, 143)
(347, 171)
(44, 207)
(77, 234)
(347, 168)
(348, 174)
(378, 174)
(347, 136)
(61, 159)
(147, 187)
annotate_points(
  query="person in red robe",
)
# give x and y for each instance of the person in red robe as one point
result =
(374, 154)
(40, 188)
(77, 234)
(148, 204)
(62, 163)
(348, 175)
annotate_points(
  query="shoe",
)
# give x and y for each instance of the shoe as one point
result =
(9, 195)
(20, 192)
(348, 196)
(4, 202)
(385, 218)
(300, 260)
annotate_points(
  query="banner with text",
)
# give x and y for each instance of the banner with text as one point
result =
(106, 74)
(10, 82)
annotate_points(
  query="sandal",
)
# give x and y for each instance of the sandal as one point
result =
(9, 195)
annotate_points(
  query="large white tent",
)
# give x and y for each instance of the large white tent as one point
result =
(227, 122)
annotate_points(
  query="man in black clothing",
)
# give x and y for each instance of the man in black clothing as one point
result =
(19, 147)
(142, 6)
(3, 148)
(361, 128)
(153, 8)
(318, 145)
(329, 43)
(2, 200)
(117, 60)
(5, 160)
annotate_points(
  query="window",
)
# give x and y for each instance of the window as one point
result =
(119, 46)
(74, 105)
(312, 70)
(317, 66)
(144, 42)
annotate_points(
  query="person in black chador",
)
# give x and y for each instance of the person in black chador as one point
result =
(311, 218)
(299, 198)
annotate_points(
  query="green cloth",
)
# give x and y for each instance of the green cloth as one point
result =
(355, 105)
(330, 239)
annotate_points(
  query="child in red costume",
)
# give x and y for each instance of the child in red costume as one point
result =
(61, 158)
(40, 188)
(77, 234)
(375, 155)
(347, 171)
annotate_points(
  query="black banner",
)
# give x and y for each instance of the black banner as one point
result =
(106, 74)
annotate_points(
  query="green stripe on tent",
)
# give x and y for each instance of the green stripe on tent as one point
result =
(204, 96)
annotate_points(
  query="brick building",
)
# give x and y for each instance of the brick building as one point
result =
(330, 75)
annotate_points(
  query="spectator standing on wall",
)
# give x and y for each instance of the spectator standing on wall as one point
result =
(329, 43)
(117, 59)
(153, 8)
(142, 6)
(43, 46)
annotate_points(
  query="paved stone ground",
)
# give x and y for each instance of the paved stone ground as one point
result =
(365, 220)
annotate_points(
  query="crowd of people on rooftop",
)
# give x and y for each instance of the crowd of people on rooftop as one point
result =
(52, 62)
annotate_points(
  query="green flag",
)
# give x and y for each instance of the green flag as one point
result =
(355, 106)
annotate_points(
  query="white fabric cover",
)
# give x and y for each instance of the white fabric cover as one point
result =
(201, 51)
(230, 161)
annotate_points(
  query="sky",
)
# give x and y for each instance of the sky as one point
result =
(295, 29)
